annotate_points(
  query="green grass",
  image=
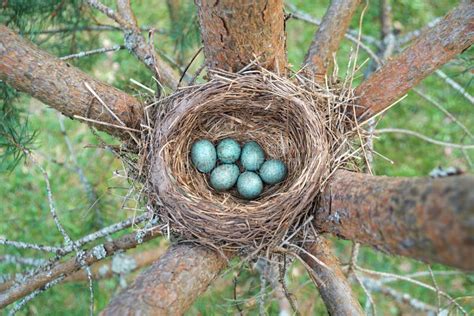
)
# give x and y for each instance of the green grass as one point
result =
(23, 202)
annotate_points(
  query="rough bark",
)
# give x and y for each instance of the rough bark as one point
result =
(449, 37)
(327, 38)
(171, 284)
(235, 32)
(42, 278)
(62, 86)
(427, 219)
(333, 286)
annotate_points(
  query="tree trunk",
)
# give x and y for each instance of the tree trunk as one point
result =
(427, 219)
(62, 86)
(236, 32)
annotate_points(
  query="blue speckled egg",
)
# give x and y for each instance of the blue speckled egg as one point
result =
(224, 176)
(228, 150)
(252, 156)
(249, 185)
(273, 171)
(203, 155)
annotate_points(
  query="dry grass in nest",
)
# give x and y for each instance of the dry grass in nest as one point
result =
(297, 121)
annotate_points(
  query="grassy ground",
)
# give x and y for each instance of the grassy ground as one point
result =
(25, 213)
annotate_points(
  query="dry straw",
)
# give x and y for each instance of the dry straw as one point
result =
(295, 120)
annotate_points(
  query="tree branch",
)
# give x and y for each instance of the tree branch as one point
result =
(171, 284)
(236, 32)
(63, 269)
(332, 284)
(106, 270)
(136, 43)
(451, 36)
(328, 37)
(427, 219)
(56, 83)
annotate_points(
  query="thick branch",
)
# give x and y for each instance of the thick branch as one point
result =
(329, 35)
(449, 37)
(61, 269)
(427, 219)
(235, 32)
(332, 284)
(171, 284)
(56, 83)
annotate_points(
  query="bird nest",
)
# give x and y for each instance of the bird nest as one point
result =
(297, 121)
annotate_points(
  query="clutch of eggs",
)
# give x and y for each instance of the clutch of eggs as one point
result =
(255, 170)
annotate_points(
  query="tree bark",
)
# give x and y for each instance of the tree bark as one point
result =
(171, 284)
(449, 37)
(427, 219)
(333, 286)
(236, 32)
(327, 38)
(62, 86)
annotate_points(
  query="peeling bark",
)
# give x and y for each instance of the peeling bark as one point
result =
(449, 37)
(62, 86)
(171, 284)
(426, 219)
(333, 286)
(235, 32)
(327, 38)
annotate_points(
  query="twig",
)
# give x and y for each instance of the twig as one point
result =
(423, 137)
(456, 86)
(22, 260)
(93, 52)
(91, 256)
(404, 298)
(91, 195)
(411, 280)
(32, 295)
(24, 245)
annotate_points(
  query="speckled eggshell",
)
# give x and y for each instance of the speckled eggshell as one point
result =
(273, 171)
(249, 185)
(203, 155)
(224, 176)
(252, 156)
(228, 150)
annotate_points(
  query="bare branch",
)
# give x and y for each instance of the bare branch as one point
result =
(422, 218)
(332, 284)
(171, 284)
(451, 36)
(456, 86)
(423, 137)
(236, 32)
(404, 298)
(58, 84)
(102, 271)
(93, 52)
(329, 35)
(63, 269)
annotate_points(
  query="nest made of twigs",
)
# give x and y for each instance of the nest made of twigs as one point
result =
(295, 120)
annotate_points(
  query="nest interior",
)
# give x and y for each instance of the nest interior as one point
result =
(299, 122)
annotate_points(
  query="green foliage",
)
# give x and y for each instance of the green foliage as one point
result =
(15, 134)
